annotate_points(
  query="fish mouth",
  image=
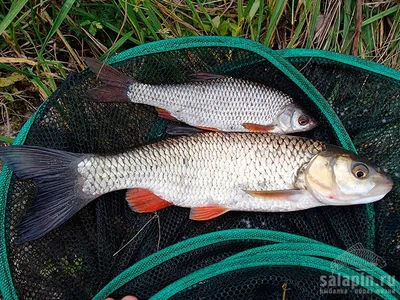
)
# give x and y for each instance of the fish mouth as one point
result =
(377, 193)
(313, 123)
(383, 188)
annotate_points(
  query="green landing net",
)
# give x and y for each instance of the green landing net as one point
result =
(297, 255)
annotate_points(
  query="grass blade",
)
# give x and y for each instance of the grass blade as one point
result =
(299, 29)
(147, 23)
(195, 14)
(60, 18)
(275, 17)
(43, 89)
(240, 10)
(12, 69)
(7, 140)
(14, 10)
(151, 11)
(117, 45)
(347, 33)
(251, 9)
(249, 13)
(260, 20)
(82, 13)
(132, 19)
(313, 24)
(381, 15)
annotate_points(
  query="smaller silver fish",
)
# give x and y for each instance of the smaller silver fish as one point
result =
(210, 101)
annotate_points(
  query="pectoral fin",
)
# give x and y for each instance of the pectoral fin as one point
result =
(206, 212)
(259, 128)
(283, 195)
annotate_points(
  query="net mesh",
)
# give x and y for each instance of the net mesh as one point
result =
(279, 283)
(76, 260)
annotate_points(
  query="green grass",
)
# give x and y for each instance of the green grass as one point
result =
(45, 40)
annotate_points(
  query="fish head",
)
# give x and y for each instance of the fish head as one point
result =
(338, 177)
(293, 118)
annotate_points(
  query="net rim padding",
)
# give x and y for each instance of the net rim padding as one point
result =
(276, 58)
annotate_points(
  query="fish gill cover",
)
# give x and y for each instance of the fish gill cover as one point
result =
(76, 260)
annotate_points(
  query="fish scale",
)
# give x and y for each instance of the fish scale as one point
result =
(207, 169)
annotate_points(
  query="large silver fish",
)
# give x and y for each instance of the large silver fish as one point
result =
(211, 173)
(213, 102)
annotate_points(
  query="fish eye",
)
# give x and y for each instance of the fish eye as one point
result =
(360, 171)
(303, 120)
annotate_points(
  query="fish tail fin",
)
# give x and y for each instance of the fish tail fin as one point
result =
(117, 83)
(59, 191)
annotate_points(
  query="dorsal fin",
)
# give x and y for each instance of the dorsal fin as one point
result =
(205, 76)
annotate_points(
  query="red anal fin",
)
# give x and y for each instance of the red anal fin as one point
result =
(165, 114)
(208, 128)
(143, 201)
(259, 128)
(206, 212)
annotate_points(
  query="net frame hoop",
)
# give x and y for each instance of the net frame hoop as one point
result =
(275, 57)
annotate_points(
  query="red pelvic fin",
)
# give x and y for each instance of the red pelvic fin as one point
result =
(143, 201)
